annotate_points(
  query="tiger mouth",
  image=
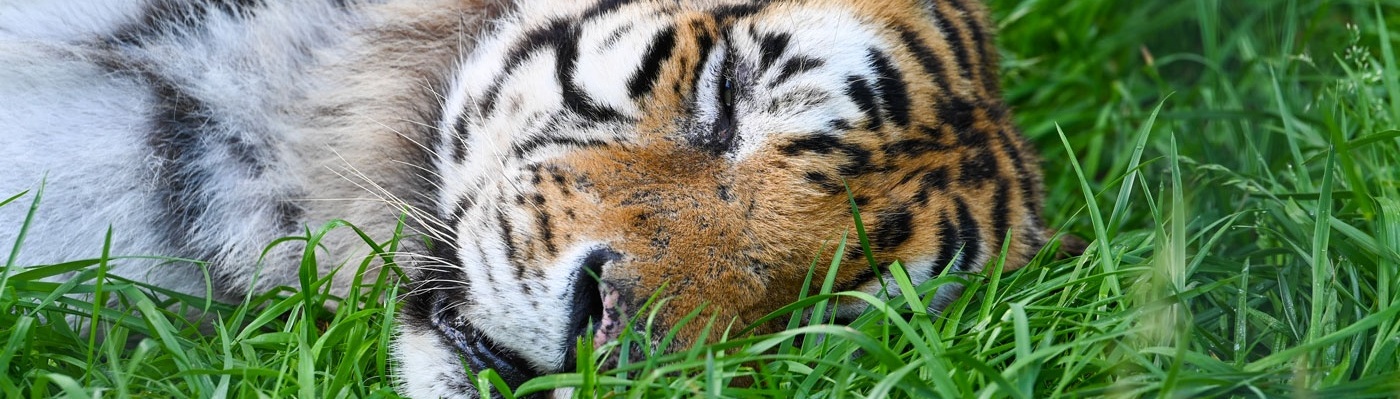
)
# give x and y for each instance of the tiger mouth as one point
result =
(478, 350)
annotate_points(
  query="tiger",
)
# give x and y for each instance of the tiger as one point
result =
(562, 162)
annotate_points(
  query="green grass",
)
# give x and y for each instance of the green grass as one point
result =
(1236, 165)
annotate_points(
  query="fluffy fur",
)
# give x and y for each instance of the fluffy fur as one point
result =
(565, 159)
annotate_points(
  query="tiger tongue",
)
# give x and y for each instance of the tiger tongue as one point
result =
(614, 318)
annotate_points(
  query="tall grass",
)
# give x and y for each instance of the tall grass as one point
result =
(1233, 163)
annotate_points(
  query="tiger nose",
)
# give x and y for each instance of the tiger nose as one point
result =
(605, 312)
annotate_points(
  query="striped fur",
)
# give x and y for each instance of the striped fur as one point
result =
(702, 149)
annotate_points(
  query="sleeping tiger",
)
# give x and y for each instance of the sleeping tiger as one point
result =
(563, 161)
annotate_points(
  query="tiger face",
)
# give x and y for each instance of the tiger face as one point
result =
(594, 154)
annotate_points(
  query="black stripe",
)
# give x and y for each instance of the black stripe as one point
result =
(819, 143)
(1001, 210)
(289, 215)
(932, 133)
(547, 37)
(911, 175)
(948, 244)
(617, 34)
(252, 156)
(446, 263)
(490, 277)
(858, 161)
(1025, 178)
(862, 201)
(889, 83)
(987, 73)
(793, 66)
(839, 125)
(959, 117)
(184, 136)
(604, 7)
(772, 46)
(171, 17)
(520, 150)
(893, 228)
(566, 60)
(866, 275)
(660, 50)
(977, 167)
(970, 234)
(912, 147)
(179, 122)
(934, 180)
(459, 210)
(925, 56)
(955, 41)
(724, 193)
(535, 176)
(508, 240)
(728, 13)
(542, 220)
(704, 42)
(460, 136)
(826, 183)
(550, 36)
(797, 99)
(859, 92)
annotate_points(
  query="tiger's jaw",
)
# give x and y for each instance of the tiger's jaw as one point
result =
(440, 348)
(477, 350)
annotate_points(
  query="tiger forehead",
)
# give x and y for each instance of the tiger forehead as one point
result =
(638, 71)
(672, 49)
(682, 31)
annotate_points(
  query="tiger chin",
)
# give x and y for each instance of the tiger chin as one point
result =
(565, 161)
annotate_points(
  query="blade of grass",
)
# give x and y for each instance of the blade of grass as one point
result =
(1134, 162)
(1105, 255)
(23, 231)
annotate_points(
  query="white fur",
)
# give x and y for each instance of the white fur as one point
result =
(841, 43)
(70, 125)
(65, 20)
(428, 368)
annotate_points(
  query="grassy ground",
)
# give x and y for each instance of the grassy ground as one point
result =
(1233, 162)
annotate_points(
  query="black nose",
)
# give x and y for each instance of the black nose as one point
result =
(587, 307)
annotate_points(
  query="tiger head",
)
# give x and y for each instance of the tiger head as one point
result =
(596, 154)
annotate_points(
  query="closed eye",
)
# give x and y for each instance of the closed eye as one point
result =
(723, 131)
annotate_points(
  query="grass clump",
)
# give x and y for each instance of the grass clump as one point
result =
(1233, 163)
(159, 343)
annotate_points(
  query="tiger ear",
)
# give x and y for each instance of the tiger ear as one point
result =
(1070, 245)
